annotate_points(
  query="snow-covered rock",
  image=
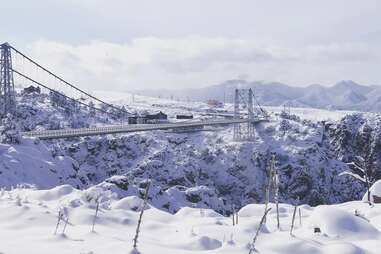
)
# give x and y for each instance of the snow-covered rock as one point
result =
(129, 203)
(338, 223)
(375, 190)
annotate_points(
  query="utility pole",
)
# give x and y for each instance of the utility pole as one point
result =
(7, 88)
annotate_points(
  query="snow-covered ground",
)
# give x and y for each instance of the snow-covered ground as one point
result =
(200, 170)
(28, 220)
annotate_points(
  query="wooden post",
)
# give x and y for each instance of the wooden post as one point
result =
(276, 196)
(293, 220)
(233, 214)
(58, 221)
(252, 248)
(66, 222)
(300, 217)
(267, 195)
(95, 216)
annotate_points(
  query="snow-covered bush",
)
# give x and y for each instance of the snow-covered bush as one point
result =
(9, 131)
(284, 126)
(57, 99)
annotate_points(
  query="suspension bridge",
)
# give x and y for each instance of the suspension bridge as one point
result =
(56, 85)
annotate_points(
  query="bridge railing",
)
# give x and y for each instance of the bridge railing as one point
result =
(63, 133)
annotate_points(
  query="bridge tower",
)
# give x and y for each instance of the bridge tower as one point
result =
(244, 131)
(237, 126)
(7, 88)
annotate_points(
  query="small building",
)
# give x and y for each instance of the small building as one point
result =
(184, 116)
(31, 90)
(132, 119)
(158, 116)
(214, 103)
(148, 119)
(137, 120)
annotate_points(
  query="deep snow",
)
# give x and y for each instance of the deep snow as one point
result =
(28, 218)
(205, 170)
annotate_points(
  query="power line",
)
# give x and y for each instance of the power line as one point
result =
(64, 81)
(61, 94)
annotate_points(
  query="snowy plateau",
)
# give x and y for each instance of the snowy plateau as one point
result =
(197, 180)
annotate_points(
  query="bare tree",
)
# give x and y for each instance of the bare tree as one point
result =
(135, 240)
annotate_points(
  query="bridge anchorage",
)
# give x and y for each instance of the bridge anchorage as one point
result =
(244, 99)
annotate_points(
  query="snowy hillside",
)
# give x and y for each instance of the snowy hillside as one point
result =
(203, 169)
(197, 180)
(31, 215)
(31, 163)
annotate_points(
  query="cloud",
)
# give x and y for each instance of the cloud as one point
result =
(152, 62)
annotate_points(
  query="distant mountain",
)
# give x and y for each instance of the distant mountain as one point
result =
(347, 95)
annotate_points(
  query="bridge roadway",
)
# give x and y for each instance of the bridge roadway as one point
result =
(115, 129)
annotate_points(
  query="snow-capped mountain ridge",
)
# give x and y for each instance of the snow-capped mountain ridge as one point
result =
(345, 95)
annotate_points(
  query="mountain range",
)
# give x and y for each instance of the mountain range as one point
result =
(344, 95)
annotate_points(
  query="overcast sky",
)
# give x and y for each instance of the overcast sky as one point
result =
(125, 45)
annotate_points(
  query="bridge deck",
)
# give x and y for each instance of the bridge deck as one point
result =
(68, 133)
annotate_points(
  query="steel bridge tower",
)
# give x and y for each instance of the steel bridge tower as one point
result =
(7, 88)
(244, 131)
